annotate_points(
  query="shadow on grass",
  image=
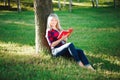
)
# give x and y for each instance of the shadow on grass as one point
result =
(106, 78)
(104, 64)
(15, 67)
(7, 8)
(17, 33)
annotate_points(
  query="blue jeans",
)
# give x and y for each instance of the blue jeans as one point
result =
(70, 49)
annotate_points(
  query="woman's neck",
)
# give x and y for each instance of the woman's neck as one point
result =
(54, 28)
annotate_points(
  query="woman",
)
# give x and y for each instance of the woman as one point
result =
(59, 47)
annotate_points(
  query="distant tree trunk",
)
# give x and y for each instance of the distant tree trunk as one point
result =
(59, 5)
(114, 3)
(8, 4)
(42, 9)
(64, 3)
(5, 3)
(95, 3)
(70, 5)
(18, 6)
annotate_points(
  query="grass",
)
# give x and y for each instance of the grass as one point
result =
(96, 31)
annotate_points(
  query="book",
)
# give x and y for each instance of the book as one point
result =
(65, 32)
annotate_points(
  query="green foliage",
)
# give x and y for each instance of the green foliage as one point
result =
(96, 31)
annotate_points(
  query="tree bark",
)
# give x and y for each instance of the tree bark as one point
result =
(42, 9)
(18, 6)
(114, 3)
(64, 3)
(59, 5)
(5, 3)
(96, 3)
(8, 4)
(70, 5)
(93, 3)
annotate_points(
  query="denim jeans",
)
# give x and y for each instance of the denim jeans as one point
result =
(70, 49)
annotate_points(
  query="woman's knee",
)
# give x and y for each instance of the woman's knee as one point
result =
(71, 44)
(80, 50)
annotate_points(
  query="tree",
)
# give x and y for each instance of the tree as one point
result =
(5, 3)
(64, 3)
(70, 5)
(9, 4)
(18, 6)
(42, 9)
(59, 4)
(116, 3)
(95, 2)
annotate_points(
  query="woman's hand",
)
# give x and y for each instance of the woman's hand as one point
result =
(64, 37)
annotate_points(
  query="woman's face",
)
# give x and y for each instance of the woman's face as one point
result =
(53, 22)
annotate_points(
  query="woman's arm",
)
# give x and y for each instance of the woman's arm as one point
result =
(58, 41)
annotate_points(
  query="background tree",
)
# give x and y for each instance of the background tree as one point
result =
(42, 9)
(64, 3)
(70, 5)
(95, 3)
(18, 6)
(116, 3)
(59, 5)
(5, 3)
(8, 4)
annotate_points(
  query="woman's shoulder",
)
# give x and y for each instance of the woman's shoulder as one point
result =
(52, 30)
(48, 30)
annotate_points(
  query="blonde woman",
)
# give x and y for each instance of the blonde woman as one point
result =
(60, 47)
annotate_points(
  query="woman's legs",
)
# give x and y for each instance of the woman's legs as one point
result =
(65, 48)
(77, 54)
(84, 59)
(61, 50)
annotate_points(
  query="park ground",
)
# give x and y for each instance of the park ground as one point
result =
(96, 31)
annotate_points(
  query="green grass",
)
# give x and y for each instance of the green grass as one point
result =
(96, 31)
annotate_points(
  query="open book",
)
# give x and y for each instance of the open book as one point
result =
(65, 32)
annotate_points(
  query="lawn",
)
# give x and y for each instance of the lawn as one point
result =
(96, 31)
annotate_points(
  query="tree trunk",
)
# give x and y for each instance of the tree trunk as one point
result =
(114, 3)
(59, 5)
(5, 3)
(42, 9)
(18, 6)
(96, 3)
(93, 3)
(64, 3)
(8, 4)
(70, 5)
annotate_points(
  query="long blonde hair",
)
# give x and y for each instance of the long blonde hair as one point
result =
(50, 17)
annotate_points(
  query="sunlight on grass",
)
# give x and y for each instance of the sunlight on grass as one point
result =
(111, 59)
(19, 23)
(81, 4)
(16, 48)
(75, 3)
